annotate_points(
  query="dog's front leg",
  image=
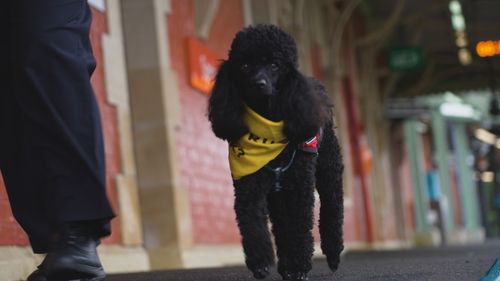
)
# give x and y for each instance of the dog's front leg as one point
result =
(251, 213)
(298, 196)
(330, 188)
(280, 227)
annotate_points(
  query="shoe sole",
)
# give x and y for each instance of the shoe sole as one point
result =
(77, 272)
(93, 279)
(60, 278)
(85, 279)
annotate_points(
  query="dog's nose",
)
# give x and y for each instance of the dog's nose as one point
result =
(261, 83)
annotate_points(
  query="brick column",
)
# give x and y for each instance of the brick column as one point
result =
(153, 87)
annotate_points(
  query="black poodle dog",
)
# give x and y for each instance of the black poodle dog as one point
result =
(262, 105)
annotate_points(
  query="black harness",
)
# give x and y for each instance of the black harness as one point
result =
(309, 146)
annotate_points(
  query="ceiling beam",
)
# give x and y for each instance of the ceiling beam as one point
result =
(386, 29)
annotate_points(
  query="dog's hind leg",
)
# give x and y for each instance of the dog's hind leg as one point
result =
(329, 171)
(251, 213)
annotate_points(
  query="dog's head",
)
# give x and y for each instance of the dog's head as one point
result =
(261, 71)
(260, 58)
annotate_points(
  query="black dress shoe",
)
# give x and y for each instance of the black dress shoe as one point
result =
(39, 275)
(72, 258)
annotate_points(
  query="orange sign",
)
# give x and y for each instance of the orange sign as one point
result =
(203, 64)
(488, 48)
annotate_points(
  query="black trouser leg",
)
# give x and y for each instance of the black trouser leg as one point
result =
(52, 154)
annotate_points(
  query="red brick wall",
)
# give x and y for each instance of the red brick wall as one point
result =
(203, 158)
(10, 232)
(109, 119)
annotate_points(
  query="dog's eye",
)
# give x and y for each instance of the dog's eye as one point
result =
(274, 67)
(244, 67)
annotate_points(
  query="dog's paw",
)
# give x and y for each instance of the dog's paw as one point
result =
(295, 276)
(261, 273)
(285, 275)
(333, 263)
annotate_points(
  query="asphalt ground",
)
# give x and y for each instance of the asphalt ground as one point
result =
(458, 263)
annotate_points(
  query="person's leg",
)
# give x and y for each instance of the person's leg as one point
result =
(12, 126)
(54, 163)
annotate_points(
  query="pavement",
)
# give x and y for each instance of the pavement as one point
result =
(458, 263)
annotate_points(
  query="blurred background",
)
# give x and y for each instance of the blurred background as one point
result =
(416, 108)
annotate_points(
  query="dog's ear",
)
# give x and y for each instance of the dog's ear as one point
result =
(306, 107)
(225, 107)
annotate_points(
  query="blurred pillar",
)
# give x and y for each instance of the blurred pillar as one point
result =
(155, 117)
(343, 71)
(368, 50)
(372, 104)
(355, 137)
(440, 140)
(415, 153)
(117, 94)
(468, 194)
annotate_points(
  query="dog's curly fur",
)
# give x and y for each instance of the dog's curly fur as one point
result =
(301, 102)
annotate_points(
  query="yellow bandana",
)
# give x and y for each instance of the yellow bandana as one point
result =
(264, 142)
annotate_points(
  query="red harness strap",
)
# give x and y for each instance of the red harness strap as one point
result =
(312, 144)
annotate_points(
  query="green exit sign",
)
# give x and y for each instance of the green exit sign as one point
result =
(405, 58)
